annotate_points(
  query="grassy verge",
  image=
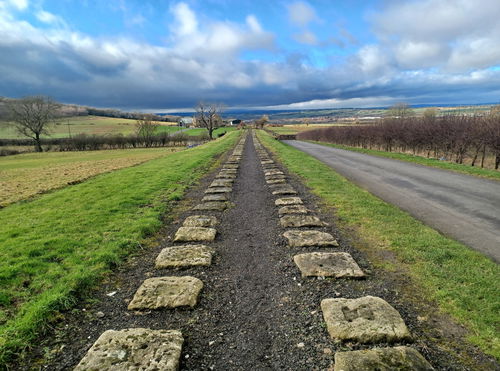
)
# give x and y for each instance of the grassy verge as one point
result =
(201, 131)
(465, 169)
(26, 175)
(55, 247)
(463, 282)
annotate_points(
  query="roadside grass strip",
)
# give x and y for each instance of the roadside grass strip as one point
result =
(462, 281)
(56, 247)
(459, 168)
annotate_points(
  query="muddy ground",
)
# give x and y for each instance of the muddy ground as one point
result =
(255, 310)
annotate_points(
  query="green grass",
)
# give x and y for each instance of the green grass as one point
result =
(90, 125)
(463, 282)
(53, 249)
(460, 168)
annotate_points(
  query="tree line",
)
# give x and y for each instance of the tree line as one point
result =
(451, 137)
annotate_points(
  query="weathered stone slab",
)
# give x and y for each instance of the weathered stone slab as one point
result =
(284, 191)
(293, 209)
(184, 256)
(134, 349)
(382, 359)
(225, 176)
(221, 183)
(277, 176)
(273, 172)
(167, 292)
(276, 181)
(366, 320)
(230, 166)
(200, 221)
(331, 264)
(298, 238)
(228, 171)
(297, 221)
(288, 201)
(219, 190)
(211, 206)
(215, 197)
(187, 234)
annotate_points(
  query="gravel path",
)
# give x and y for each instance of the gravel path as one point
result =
(255, 311)
(464, 207)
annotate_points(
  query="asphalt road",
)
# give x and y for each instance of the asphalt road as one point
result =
(463, 207)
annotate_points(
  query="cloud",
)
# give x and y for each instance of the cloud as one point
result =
(306, 37)
(19, 4)
(301, 13)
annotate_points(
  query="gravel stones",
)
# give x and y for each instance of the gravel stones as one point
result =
(184, 256)
(167, 292)
(298, 238)
(297, 221)
(134, 349)
(366, 320)
(320, 264)
(200, 221)
(188, 234)
(288, 201)
(292, 209)
(382, 359)
(211, 206)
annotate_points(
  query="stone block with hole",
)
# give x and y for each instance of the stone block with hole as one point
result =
(167, 292)
(366, 320)
(205, 221)
(328, 264)
(382, 359)
(134, 349)
(298, 238)
(284, 201)
(184, 256)
(191, 234)
(293, 209)
(297, 221)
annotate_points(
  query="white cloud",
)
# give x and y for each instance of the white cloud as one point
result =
(306, 37)
(46, 17)
(186, 23)
(19, 4)
(301, 13)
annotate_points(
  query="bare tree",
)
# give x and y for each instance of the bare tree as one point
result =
(145, 129)
(400, 111)
(32, 116)
(259, 123)
(208, 116)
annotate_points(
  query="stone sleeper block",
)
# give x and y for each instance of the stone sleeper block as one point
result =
(215, 197)
(366, 320)
(221, 183)
(298, 238)
(288, 201)
(382, 359)
(320, 264)
(225, 176)
(219, 190)
(273, 172)
(211, 206)
(276, 181)
(284, 191)
(167, 292)
(293, 209)
(297, 221)
(184, 256)
(188, 234)
(134, 349)
(200, 221)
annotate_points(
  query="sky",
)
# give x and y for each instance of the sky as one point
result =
(162, 56)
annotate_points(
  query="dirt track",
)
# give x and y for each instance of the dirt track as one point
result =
(255, 311)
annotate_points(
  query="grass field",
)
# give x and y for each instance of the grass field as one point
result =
(98, 125)
(460, 168)
(464, 283)
(201, 131)
(26, 175)
(56, 247)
